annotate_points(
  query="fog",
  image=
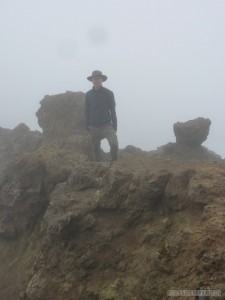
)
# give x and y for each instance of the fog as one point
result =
(165, 62)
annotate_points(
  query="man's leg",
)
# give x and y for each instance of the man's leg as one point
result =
(97, 149)
(111, 137)
(96, 143)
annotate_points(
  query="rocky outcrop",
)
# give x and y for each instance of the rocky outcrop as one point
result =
(27, 181)
(22, 196)
(62, 119)
(15, 142)
(192, 133)
(61, 116)
(189, 137)
(134, 229)
(183, 152)
(121, 231)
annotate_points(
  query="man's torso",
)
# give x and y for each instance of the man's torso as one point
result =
(99, 104)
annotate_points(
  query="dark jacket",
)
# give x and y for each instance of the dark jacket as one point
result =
(100, 108)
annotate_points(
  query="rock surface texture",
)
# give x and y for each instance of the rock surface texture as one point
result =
(72, 229)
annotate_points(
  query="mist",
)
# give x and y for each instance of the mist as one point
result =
(164, 60)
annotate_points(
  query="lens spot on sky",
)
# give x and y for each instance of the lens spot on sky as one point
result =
(98, 35)
(66, 49)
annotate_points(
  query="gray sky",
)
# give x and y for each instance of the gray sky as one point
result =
(165, 60)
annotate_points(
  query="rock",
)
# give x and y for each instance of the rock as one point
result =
(62, 115)
(192, 133)
(36, 287)
(108, 230)
(189, 137)
(205, 188)
(22, 199)
(186, 152)
(110, 292)
(17, 141)
(133, 229)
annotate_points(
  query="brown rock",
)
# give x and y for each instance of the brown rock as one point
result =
(134, 229)
(22, 197)
(17, 141)
(62, 115)
(192, 133)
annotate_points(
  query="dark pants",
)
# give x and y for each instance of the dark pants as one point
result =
(100, 133)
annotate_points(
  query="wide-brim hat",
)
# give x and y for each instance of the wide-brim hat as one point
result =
(97, 73)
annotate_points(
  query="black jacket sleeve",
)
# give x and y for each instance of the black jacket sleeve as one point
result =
(87, 114)
(113, 112)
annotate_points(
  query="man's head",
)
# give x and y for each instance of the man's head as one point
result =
(97, 78)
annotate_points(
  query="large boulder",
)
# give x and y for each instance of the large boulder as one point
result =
(193, 132)
(61, 116)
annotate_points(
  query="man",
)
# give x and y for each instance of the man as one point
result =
(101, 120)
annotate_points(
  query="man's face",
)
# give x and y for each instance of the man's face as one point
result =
(97, 81)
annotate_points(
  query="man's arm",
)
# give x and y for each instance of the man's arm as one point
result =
(87, 115)
(113, 111)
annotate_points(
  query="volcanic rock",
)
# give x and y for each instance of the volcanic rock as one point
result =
(134, 229)
(22, 197)
(122, 232)
(193, 132)
(61, 116)
(14, 142)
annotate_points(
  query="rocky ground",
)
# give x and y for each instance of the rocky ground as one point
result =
(75, 229)
(72, 229)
